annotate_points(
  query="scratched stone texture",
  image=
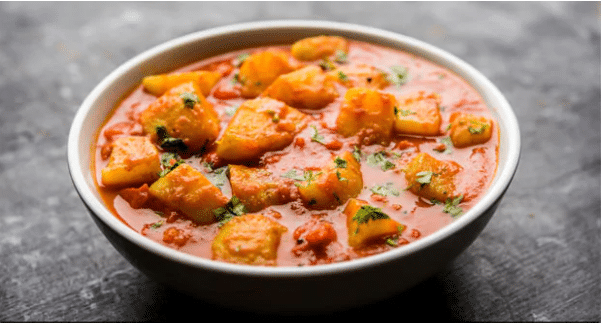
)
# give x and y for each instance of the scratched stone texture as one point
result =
(537, 260)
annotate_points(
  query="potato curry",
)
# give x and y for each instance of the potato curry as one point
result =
(322, 151)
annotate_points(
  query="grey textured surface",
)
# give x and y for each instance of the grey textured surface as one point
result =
(537, 260)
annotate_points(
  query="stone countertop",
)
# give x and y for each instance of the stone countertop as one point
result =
(537, 260)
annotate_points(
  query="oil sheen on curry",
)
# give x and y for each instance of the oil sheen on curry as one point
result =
(322, 151)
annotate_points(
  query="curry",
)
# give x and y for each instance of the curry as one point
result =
(322, 151)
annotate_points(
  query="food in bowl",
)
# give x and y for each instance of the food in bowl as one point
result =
(324, 150)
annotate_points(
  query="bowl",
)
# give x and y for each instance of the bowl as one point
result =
(284, 289)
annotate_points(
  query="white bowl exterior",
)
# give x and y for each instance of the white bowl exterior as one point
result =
(196, 46)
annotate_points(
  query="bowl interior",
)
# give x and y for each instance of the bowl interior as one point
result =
(204, 44)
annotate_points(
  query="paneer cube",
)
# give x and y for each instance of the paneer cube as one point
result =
(133, 160)
(251, 239)
(306, 88)
(467, 130)
(182, 113)
(257, 188)
(313, 48)
(360, 75)
(260, 69)
(368, 114)
(431, 178)
(332, 185)
(187, 190)
(368, 224)
(159, 84)
(258, 126)
(418, 114)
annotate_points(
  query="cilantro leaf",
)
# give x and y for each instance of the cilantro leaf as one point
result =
(189, 99)
(316, 136)
(231, 209)
(451, 206)
(169, 161)
(341, 57)
(379, 160)
(399, 75)
(385, 190)
(367, 213)
(340, 163)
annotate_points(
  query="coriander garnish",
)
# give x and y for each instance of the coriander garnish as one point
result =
(367, 213)
(316, 136)
(399, 75)
(190, 99)
(167, 142)
(341, 57)
(231, 110)
(424, 177)
(480, 127)
(451, 206)
(233, 208)
(385, 190)
(379, 160)
(340, 163)
(169, 161)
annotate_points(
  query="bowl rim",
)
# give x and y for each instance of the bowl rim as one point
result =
(500, 183)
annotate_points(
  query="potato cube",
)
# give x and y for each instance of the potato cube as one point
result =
(183, 113)
(251, 239)
(259, 70)
(312, 48)
(367, 113)
(367, 224)
(467, 130)
(332, 185)
(360, 75)
(418, 114)
(134, 160)
(431, 178)
(187, 190)
(258, 126)
(257, 188)
(159, 84)
(306, 88)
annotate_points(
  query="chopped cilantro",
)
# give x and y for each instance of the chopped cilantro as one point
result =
(357, 153)
(339, 176)
(385, 190)
(167, 142)
(241, 58)
(316, 136)
(379, 160)
(189, 99)
(233, 208)
(399, 75)
(451, 206)
(292, 174)
(367, 213)
(404, 113)
(307, 176)
(478, 129)
(231, 110)
(327, 65)
(341, 57)
(424, 177)
(340, 163)
(169, 161)
(343, 77)
(157, 224)
(218, 176)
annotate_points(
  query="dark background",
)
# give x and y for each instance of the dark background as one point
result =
(537, 260)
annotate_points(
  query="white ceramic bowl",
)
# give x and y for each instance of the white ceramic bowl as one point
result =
(284, 289)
